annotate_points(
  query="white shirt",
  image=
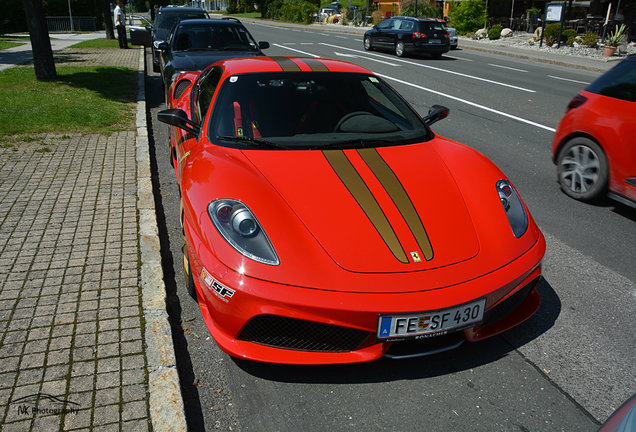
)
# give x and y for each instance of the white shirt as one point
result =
(119, 13)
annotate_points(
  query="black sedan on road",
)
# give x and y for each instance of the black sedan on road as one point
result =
(153, 35)
(195, 44)
(408, 35)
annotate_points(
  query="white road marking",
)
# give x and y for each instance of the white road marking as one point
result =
(507, 67)
(298, 51)
(473, 104)
(342, 37)
(457, 58)
(434, 68)
(367, 58)
(358, 40)
(306, 43)
(568, 79)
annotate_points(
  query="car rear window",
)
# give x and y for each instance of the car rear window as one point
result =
(619, 82)
(431, 26)
(166, 21)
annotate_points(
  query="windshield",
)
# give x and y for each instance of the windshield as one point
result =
(224, 37)
(312, 110)
(165, 21)
(619, 82)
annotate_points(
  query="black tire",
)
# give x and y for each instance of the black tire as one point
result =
(399, 49)
(436, 55)
(368, 45)
(582, 169)
(187, 272)
(453, 47)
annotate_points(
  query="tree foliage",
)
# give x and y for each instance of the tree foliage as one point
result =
(468, 16)
(424, 9)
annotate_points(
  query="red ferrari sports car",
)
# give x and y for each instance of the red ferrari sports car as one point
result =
(324, 222)
(593, 147)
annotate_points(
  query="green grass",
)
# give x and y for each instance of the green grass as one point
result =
(97, 44)
(7, 44)
(95, 99)
(246, 15)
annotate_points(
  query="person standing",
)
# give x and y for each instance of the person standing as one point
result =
(120, 23)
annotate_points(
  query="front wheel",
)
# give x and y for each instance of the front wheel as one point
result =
(367, 43)
(399, 49)
(582, 169)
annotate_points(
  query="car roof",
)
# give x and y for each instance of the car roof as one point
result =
(211, 22)
(288, 64)
(178, 9)
(418, 19)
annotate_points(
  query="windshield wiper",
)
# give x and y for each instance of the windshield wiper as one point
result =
(259, 141)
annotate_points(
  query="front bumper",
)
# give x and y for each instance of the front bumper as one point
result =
(276, 323)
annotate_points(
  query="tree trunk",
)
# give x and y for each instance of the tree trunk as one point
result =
(108, 20)
(40, 43)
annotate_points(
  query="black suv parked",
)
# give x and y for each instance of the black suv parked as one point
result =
(165, 19)
(405, 35)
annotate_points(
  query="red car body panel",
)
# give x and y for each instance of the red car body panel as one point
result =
(334, 266)
(611, 123)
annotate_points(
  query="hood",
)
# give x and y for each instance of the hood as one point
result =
(199, 60)
(390, 209)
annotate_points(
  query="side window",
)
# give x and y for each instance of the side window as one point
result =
(386, 24)
(397, 24)
(407, 25)
(206, 89)
(619, 83)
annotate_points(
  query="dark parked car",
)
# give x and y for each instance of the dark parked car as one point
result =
(195, 44)
(405, 35)
(153, 35)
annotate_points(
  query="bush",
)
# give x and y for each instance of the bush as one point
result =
(291, 11)
(551, 33)
(495, 32)
(468, 16)
(589, 39)
(377, 17)
(567, 35)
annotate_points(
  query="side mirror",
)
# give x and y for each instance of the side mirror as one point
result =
(163, 46)
(263, 45)
(436, 113)
(177, 117)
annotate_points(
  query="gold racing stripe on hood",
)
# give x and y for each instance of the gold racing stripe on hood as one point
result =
(365, 199)
(286, 64)
(394, 188)
(315, 65)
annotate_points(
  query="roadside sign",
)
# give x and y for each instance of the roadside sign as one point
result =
(554, 11)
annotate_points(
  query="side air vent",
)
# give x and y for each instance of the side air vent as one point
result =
(180, 87)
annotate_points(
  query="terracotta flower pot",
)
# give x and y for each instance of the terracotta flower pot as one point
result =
(609, 51)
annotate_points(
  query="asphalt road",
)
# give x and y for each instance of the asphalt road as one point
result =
(567, 368)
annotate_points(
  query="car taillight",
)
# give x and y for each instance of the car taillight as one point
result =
(418, 35)
(445, 35)
(576, 102)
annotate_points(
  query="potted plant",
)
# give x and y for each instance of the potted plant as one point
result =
(614, 40)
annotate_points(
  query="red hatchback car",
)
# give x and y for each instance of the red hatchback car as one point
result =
(594, 147)
(324, 222)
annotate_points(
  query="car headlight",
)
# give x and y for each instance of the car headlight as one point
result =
(513, 207)
(239, 227)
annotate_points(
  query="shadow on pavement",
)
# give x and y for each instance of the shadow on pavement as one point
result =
(189, 391)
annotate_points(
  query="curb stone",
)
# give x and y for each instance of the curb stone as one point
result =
(167, 412)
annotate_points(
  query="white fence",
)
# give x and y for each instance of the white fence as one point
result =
(64, 23)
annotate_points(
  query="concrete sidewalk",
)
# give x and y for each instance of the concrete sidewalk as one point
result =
(85, 341)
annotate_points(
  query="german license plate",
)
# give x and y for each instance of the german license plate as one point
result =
(435, 41)
(420, 325)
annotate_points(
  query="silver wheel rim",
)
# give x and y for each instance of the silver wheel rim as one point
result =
(399, 49)
(580, 169)
(367, 43)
